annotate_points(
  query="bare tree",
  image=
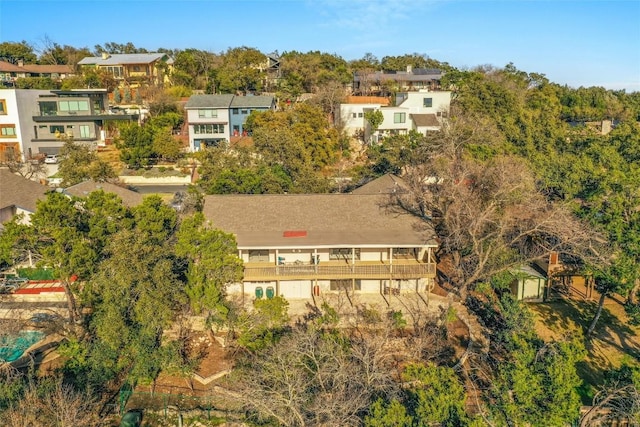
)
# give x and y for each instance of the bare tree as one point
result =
(488, 214)
(313, 377)
(60, 406)
(27, 169)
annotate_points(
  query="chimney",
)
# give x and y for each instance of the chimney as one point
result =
(20, 62)
(409, 69)
(105, 55)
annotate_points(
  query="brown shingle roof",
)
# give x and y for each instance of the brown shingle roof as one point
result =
(8, 67)
(46, 68)
(422, 120)
(386, 184)
(334, 220)
(18, 191)
(129, 198)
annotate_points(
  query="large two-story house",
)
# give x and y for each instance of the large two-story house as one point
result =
(304, 245)
(33, 121)
(212, 119)
(384, 83)
(134, 68)
(421, 111)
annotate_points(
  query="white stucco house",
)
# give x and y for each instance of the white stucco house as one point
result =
(421, 111)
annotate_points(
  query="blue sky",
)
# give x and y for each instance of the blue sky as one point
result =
(579, 43)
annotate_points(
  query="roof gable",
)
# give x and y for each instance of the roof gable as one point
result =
(328, 220)
(18, 191)
(209, 101)
(129, 198)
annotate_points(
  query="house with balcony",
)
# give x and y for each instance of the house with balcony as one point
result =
(79, 113)
(132, 69)
(421, 111)
(303, 245)
(384, 83)
(212, 119)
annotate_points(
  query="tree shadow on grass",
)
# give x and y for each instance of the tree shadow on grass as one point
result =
(611, 341)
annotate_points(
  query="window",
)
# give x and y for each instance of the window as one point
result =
(48, 108)
(55, 128)
(399, 117)
(244, 111)
(339, 285)
(206, 129)
(73, 106)
(207, 113)
(70, 127)
(136, 68)
(404, 253)
(260, 255)
(354, 115)
(7, 131)
(3, 106)
(116, 71)
(85, 131)
(234, 111)
(360, 115)
(343, 253)
(427, 102)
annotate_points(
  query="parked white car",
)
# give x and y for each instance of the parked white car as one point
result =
(51, 159)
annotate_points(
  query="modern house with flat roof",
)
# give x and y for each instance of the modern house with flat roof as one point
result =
(304, 245)
(32, 121)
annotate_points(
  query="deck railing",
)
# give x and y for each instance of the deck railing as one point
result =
(355, 271)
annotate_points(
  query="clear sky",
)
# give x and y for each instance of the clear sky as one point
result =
(579, 43)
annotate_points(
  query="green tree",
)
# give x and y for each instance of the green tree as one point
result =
(14, 51)
(374, 118)
(240, 70)
(213, 264)
(136, 145)
(116, 96)
(78, 163)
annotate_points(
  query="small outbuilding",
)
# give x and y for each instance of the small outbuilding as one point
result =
(529, 283)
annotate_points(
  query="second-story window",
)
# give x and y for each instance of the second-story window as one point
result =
(235, 111)
(344, 253)
(399, 117)
(427, 102)
(259, 255)
(3, 106)
(74, 106)
(7, 131)
(207, 113)
(208, 129)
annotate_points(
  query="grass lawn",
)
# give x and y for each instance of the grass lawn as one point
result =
(613, 340)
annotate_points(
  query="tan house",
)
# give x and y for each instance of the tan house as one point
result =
(305, 245)
(9, 72)
(133, 69)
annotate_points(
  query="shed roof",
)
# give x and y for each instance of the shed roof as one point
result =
(18, 191)
(425, 120)
(333, 220)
